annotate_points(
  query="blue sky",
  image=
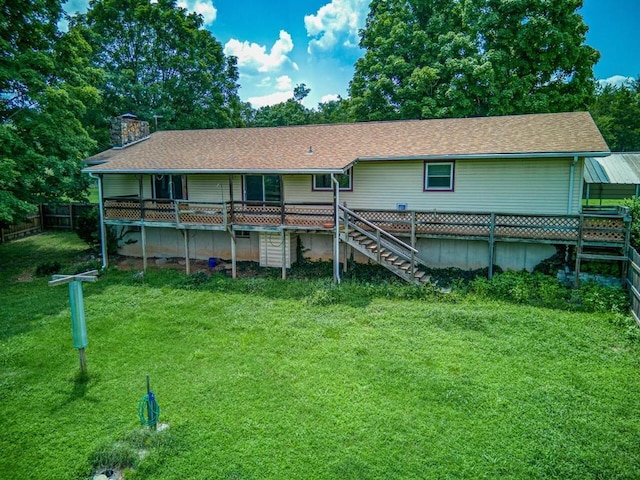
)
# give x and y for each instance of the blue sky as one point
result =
(280, 44)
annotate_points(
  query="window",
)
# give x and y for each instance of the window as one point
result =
(323, 182)
(438, 176)
(262, 188)
(168, 186)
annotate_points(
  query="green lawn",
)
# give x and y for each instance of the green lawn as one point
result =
(271, 379)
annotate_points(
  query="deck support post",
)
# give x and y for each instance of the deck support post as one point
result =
(347, 247)
(492, 245)
(234, 272)
(336, 229)
(143, 239)
(283, 242)
(187, 261)
(576, 281)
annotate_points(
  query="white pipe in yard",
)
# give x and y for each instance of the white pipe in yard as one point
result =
(572, 174)
(103, 230)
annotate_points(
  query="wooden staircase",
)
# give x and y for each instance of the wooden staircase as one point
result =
(603, 239)
(383, 248)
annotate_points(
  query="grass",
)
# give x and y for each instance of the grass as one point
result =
(261, 379)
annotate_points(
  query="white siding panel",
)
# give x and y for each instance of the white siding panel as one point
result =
(118, 185)
(169, 242)
(208, 188)
(271, 249)
(505, 186)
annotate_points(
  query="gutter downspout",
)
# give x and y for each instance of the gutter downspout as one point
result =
(336, 225)
(572, 174)
(103, 230)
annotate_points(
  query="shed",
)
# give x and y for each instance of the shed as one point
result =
(613, 178)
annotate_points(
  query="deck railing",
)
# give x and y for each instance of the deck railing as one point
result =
(606, 227)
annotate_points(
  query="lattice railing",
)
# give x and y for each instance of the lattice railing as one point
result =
(122, 210)
(257, 215)
(201, 213)
(301, 216)
(561, 228)
(463, 224)
(538, 227)
(604, 229)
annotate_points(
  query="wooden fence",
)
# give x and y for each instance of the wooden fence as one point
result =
(633, 281)
(31, 226)
(49, 217)
(64, 216)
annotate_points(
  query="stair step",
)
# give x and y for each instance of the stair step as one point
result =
(392, 258)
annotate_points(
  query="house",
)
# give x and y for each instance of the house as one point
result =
(614, 177)
(467, 193)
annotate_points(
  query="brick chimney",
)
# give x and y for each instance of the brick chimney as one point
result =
(127, 129)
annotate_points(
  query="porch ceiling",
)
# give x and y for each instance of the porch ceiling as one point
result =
(333, 148)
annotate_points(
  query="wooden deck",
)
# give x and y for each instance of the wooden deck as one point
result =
(607, 229)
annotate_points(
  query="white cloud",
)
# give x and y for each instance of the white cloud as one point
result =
(336, 23)
(329, 98)
(255, 57)
(265, 82)
(616, 81)
(271, 99)
(201, 7)
(284, 83)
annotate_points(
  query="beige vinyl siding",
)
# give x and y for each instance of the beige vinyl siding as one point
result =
(504, 186)
(208, 188)
(117, 185)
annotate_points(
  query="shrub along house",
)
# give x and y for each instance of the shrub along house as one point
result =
(467, 193)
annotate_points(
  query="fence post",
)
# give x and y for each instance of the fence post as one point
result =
(71, 216)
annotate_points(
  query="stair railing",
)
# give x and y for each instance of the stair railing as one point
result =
(380, 236)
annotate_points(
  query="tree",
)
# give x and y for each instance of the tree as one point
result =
(158, 60)
(454, 58)
(289, 112)
(616, 111)
(43, 90)
(333, 111)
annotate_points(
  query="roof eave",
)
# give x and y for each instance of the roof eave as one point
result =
(190, 171)
(488, 156)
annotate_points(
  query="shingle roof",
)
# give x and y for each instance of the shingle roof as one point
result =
(336, 147)
(619, 168)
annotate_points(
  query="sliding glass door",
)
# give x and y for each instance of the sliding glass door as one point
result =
(262, 188)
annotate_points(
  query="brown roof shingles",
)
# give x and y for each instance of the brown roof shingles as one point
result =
(335, 147)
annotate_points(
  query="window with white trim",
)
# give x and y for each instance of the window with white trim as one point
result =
(169, 187)
(438, 176)
(323, 182)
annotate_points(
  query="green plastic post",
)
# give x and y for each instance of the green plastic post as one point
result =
(78, 323)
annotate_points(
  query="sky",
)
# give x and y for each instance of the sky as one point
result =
(282, 43)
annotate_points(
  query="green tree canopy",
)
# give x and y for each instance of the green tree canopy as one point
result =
(455, 58)
(44, 92)
(616, 111)
(158, 60)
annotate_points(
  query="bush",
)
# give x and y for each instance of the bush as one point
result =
(88, 230)
(88, 227)
(48, 268)
(546, 291)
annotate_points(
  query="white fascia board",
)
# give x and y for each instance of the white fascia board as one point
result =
(488, 156)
